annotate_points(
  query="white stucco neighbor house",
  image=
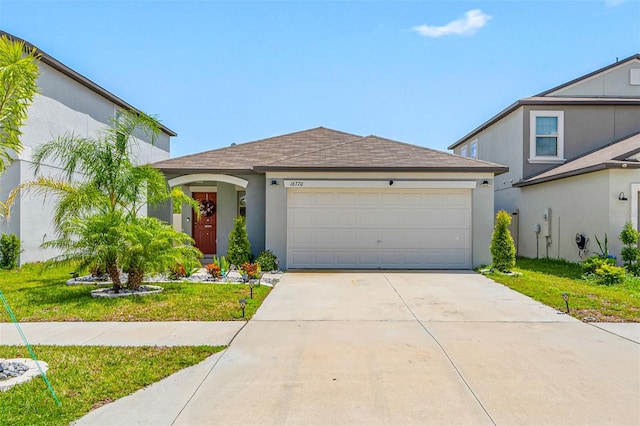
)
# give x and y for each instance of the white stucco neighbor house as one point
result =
(573, 155)
(67, 103)
(322, 198)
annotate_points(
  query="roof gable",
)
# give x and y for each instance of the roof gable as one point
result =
(611, 81)
(325, 149)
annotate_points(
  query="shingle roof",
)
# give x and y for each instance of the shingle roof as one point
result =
(324, 149)
(611, 156)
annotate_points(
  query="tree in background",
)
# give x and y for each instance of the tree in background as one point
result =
(18, 74)
(503, 250)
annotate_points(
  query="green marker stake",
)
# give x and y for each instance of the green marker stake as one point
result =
(29, 348)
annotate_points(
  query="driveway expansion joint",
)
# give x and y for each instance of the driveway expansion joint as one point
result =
(455, 367)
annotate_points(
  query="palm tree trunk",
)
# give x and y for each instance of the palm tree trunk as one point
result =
(135, 278)
(114, 274)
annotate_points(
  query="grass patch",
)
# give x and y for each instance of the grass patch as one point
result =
(87, 377)
(37, 295)
(546, 279)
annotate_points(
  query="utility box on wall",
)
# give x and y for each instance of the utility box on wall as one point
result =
(546, 223)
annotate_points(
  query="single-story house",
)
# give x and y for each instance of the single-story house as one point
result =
(322, 198)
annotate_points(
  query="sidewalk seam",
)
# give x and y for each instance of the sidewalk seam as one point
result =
(208, 373)
(86, 342)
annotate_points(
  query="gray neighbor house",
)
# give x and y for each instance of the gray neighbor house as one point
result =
(573, 155)
(67, 103)
(322, 198)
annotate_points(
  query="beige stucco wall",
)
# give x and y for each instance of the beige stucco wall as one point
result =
(586, 204)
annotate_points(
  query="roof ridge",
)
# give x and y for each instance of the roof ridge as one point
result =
(317, 150)
(244, 144)
(435, 150)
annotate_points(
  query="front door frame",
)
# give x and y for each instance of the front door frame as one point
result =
(206, 238)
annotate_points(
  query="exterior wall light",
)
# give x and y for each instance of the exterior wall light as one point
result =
(274, 182)
(485, 184)
(622, 197)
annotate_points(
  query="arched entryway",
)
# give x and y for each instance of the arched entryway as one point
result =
(220, 198)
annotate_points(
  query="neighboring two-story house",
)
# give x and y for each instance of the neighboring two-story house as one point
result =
(67, 103)
(573, 155)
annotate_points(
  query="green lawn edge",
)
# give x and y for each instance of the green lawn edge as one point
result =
(544, 280)
(86, 377)
(37, 295)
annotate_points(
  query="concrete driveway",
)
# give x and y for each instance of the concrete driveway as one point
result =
(416, 348)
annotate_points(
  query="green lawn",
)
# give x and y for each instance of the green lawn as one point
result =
(87, 377)
(546, 279)
(36, 295)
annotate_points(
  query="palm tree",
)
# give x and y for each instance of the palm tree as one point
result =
(153, 246)
(18, 74)
(100, 191)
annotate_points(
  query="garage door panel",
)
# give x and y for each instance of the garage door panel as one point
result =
(370, 199)
(324, 218)
(368, 259)
(367, 228)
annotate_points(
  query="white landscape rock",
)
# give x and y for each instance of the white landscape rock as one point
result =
(17, 366)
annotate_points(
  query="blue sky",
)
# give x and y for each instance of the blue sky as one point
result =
(422, 72)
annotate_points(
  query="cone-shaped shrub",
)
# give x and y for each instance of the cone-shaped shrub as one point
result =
(239, 250)
(503, 251)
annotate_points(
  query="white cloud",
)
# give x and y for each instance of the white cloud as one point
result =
(473, 20)
(613, 3)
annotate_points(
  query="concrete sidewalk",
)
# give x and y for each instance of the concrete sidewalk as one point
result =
(178, 333)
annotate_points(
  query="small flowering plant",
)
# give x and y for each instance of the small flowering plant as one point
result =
(252, 270)
(213, 270)
(177, 272)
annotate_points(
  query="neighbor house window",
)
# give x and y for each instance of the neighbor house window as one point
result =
(547, 137)
(474, 149)
(463, 151)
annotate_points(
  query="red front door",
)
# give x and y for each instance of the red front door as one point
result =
(204, 229)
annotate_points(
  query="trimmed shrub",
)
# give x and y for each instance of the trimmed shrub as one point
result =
(629, 237)
(9, 251)
(267, 260)
(610, 274)
(634, 269)
(503, 251)
(590, 264)
(239, 250)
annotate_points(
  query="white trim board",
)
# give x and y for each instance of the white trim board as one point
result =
(378, 184)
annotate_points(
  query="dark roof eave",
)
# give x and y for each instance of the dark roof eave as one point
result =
(189, 171)
(591, 169)
(79, 78)
(494, 170)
